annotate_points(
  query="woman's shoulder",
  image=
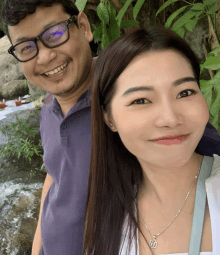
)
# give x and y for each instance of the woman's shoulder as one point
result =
(215, 166)
(213, 194)
(213, 182)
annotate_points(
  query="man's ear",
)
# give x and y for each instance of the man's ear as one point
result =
(84, 25)
(109, 122)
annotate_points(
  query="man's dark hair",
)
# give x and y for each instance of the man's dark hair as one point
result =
(13, 11)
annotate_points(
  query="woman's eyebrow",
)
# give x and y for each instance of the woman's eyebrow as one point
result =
(183, 80)
(151, 88)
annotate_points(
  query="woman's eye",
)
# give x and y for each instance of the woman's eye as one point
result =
(187, 93)
(140, 101)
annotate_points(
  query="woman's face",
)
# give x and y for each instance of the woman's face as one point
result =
(156, 96)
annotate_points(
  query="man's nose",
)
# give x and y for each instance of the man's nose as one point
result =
(168, 115)
(45, 55)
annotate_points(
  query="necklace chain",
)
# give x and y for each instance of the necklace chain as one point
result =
(153, 243)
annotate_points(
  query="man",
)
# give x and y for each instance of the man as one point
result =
(57, 58)
(58, 61)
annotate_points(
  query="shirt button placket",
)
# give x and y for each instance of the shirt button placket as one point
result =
(63, 132)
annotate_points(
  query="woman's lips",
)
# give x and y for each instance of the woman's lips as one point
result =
(170, 141)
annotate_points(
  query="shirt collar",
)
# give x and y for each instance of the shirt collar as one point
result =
(83, 102)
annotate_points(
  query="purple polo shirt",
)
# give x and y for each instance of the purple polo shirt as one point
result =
(66, 143)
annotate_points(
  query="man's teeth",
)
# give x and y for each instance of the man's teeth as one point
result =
(58, 70)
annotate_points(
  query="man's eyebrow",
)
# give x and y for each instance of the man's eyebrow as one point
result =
(44, 28)
(21, 39)
(151, 88)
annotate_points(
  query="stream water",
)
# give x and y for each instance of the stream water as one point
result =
(20, 190)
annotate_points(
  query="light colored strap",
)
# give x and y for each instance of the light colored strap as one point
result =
(199, 209)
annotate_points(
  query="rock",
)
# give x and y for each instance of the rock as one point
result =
(11, 73)
(9, 66)
(30, 116)
(4, 44)
(20, 194)
(10, 69)
(19, 221)
(13, 89)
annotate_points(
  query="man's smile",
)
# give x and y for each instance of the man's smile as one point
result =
(57, 70)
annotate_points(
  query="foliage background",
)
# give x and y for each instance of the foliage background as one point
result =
(201, 19)
(115, 17)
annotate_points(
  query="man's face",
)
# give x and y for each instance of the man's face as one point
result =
(72, 60)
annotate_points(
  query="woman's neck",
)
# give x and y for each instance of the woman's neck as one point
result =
(163, 185)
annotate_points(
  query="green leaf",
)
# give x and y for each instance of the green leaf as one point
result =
(105, 38)
(215, 81)
(198, 7)
(173, 16)
(216, 50)
(102, 13)
(80, 4)
(97, 34)
(114, 31)
(209, 2)
(128, 23)
(183, 20)
(207, 93)
(215, 122)
(112, 12)
(190, 25)
(137, 8)
(93, 27)
(212, 63)
(215, 108)
(180, 32)
(212, 10)
(203, 84)
(123, 11)
(167, 3)
(199, 13)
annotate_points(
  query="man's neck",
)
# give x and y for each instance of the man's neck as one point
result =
(69, 101)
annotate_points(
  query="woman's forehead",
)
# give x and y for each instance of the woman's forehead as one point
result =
(154, 68)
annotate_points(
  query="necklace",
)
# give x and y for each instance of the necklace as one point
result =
(153, 242)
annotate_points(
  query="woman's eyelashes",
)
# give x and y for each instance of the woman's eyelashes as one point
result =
(184, 93)
(140, 101)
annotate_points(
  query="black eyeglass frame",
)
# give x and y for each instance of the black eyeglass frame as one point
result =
(39, 37)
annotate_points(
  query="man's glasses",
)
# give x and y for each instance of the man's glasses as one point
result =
(54, 36)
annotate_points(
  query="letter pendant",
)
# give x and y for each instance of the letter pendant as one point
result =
(153, 243)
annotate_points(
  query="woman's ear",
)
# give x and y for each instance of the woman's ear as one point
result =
(109, 122)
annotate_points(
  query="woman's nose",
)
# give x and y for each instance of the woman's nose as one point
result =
(168, 115)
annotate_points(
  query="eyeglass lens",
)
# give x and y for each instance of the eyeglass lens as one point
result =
(52, 37)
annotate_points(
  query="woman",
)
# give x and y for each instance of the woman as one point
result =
(148, 117)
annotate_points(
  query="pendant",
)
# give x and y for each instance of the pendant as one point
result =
(153, 243)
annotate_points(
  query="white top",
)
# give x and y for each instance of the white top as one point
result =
(213, 196)
(201, 253)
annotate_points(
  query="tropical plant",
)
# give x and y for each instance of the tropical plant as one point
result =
(22, 141)
(111, 23)
(191, 14)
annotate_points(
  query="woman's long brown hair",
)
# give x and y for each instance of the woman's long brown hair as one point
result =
(115, 174)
